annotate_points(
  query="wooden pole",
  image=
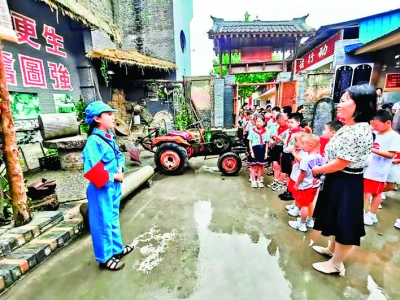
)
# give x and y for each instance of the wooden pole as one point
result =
(21, 212)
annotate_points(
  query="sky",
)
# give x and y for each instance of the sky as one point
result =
(321, 13)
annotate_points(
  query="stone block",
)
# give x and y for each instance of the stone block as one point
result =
(2, 284)
(77, 226)
(70, 230)
(6, 277)
(21, 263)
(60, 237)
(40, 222)
(26, 232)
(50, 242)
(41, 251)
(52, 224)
(5, 246)
(14, 270)
(30, 258)
(14, 240)
(53, 215)
(32, 228)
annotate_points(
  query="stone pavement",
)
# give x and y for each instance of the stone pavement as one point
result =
(24, 248)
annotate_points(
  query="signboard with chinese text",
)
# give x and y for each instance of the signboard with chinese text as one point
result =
(392, 81)
(47, 55)
(321, 52)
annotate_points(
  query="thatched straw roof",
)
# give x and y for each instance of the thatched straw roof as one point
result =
(6, 29)
(131, 57)
(78, 11)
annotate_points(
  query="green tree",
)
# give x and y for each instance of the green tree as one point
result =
(247, 17)
(244, 91)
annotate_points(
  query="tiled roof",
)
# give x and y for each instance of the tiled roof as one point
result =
(297, 25)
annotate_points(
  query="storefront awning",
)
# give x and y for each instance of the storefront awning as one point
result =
(386, 41)
(132, 57)
(79, 12)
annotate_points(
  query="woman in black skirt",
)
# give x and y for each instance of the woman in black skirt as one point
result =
(339, 208)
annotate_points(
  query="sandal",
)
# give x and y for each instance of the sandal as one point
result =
(113, 264)
(126, 251)
(254, 184)
(260, 184)
(328, 267)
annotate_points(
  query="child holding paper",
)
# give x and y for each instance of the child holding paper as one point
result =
(103, 167)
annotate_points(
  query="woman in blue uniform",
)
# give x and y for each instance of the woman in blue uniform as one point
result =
(104, 165)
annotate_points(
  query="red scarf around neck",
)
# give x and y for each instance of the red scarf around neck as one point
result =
(282, 129)
(260, 133)
(297, 129)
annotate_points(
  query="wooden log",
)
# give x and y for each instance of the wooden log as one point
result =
(54, 126)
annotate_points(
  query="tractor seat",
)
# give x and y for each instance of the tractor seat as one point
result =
(183, 134)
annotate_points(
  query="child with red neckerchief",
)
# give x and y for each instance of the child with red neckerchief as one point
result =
(258, 140)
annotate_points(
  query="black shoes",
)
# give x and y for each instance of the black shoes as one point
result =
(286, 196)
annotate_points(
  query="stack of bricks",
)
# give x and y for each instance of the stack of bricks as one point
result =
(23, 248)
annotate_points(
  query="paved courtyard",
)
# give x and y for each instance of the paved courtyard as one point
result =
(204, 236)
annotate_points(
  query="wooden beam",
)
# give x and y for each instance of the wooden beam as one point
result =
(255, 68)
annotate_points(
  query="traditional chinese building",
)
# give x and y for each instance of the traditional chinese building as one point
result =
(72, 49)
(357, 51)
(256, 41)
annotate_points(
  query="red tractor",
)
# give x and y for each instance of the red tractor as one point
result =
(173, 150)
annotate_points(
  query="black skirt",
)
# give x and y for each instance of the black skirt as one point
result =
(339, 210)
(259, 156)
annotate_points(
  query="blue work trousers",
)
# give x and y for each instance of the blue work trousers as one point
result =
(103, 207)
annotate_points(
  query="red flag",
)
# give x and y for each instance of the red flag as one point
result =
(98, 175)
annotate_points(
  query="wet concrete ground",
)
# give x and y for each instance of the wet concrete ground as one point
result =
(204, 236)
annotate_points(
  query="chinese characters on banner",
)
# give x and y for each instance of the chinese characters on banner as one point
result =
(32, 69)
(318, 54)
(392, 81)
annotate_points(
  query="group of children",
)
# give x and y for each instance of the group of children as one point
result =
(286, 144)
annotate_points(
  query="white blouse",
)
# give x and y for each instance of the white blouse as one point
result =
(351, 143)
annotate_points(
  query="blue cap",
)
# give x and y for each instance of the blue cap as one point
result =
(95, 108)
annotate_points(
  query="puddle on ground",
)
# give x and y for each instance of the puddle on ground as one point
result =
(152, 245)
(236, 266)
(375, 291)
(212, 170)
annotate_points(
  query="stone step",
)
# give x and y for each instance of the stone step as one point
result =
(23, 248)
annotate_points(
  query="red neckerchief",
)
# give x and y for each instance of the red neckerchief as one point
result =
(260, 133)
(282, 129)
(267, 120)
(297, 129)
(274, 120)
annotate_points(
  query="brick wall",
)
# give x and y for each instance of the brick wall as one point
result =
(148, 26)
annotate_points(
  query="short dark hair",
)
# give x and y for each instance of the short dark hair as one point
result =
(387, 106)
(334, 125)
(383, 115)
(287, 110)
(259, 116)
(304, 123)
(277, 109)
(249, 112)
(269, 105)
(379, 88)
(294, 117)
(300, 108)
(364, 96)
(280, 115)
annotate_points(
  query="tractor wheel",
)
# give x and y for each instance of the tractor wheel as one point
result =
(170, 159)
(221, 143)
(229, 164)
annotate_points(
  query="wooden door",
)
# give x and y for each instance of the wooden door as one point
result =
(288, 94)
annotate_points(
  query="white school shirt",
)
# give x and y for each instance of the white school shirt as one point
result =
(306, 164)
(378, 167)
(296, 167)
